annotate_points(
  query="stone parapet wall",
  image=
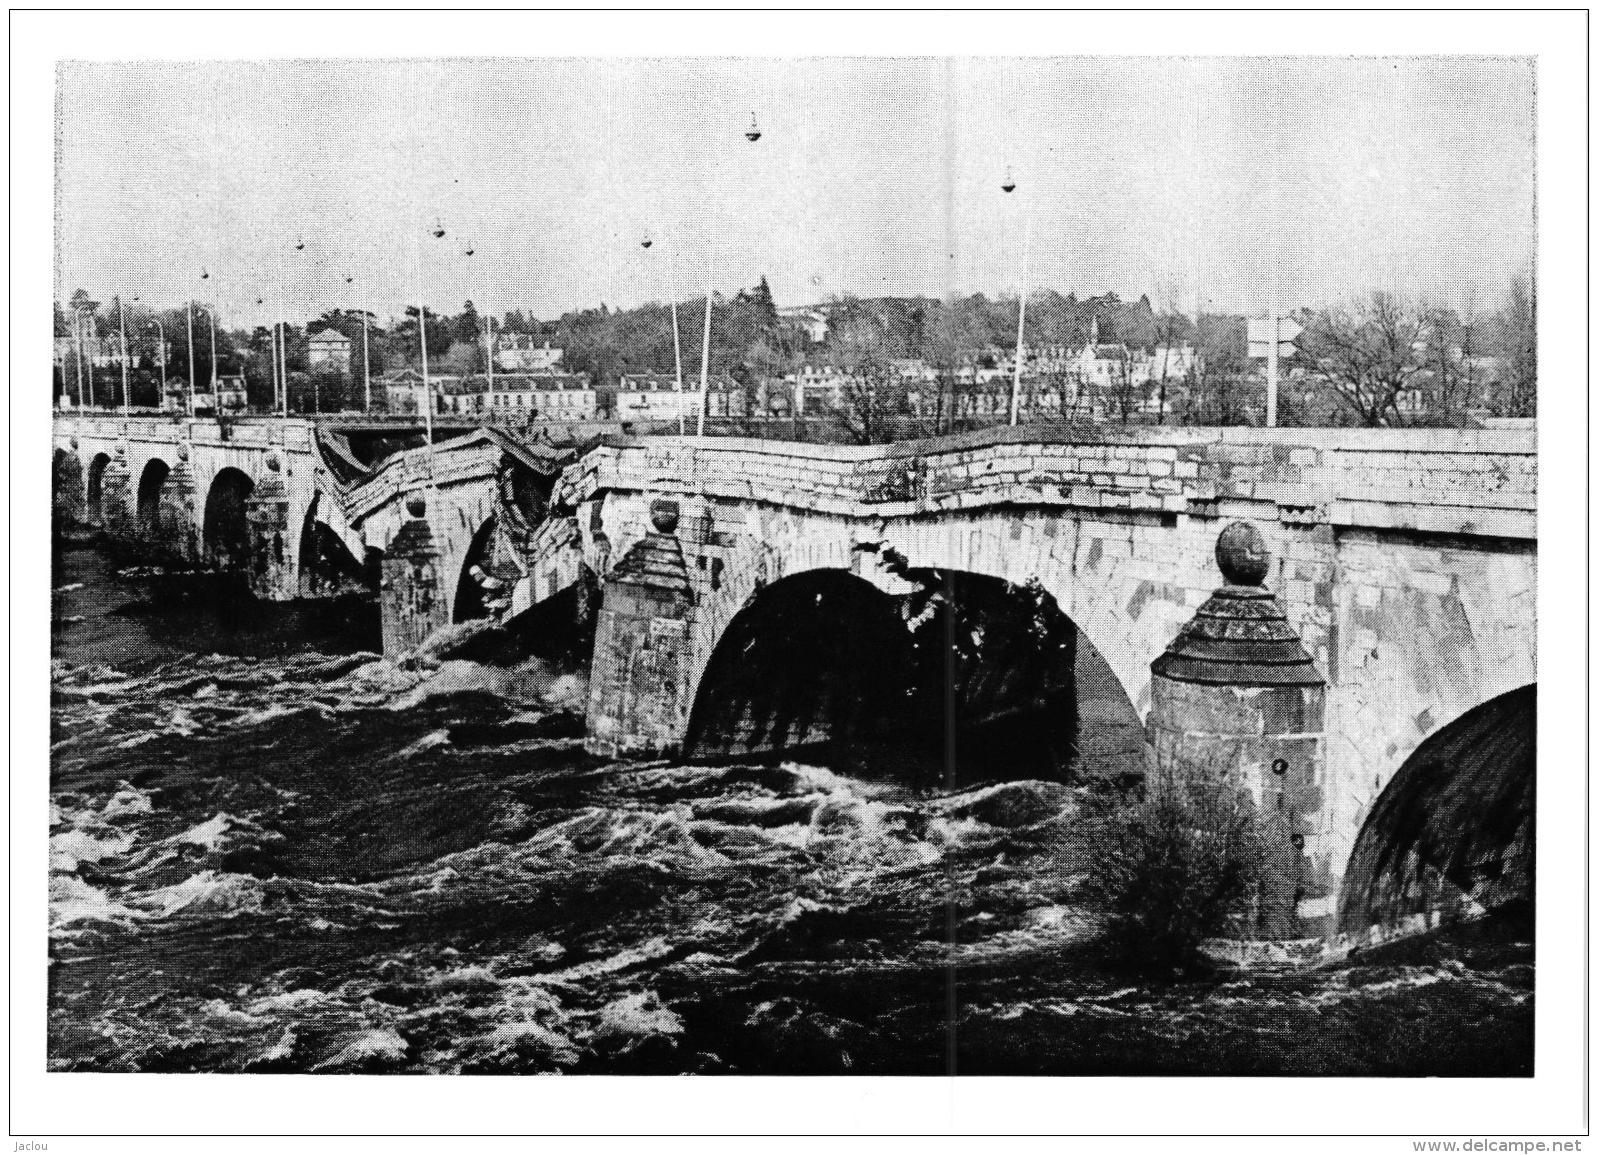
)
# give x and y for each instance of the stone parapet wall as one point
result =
(1437, 481)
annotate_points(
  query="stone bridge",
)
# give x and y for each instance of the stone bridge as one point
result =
(1365, 668)
(1402, 562)
(307, 508)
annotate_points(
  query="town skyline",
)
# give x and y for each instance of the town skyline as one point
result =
(872, 177)
(1491, 296)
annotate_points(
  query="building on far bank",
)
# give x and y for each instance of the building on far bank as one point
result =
(400, 391)
(328, 348)
(230, 395)
(729, 397)
(810, 321)
(654, 397)
(525, 353)
(521, 397)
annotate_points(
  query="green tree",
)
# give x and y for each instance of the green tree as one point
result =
(439, 335)
(467, 327)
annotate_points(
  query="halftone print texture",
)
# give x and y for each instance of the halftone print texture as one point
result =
(855, 566)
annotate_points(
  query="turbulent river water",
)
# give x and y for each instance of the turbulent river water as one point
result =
(272, 850)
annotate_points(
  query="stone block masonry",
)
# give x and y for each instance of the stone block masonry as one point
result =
(1413, 602)
(1403, 561)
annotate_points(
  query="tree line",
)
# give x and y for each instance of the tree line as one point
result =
(1379, 360)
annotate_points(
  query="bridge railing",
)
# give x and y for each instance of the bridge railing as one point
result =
(1456, 481)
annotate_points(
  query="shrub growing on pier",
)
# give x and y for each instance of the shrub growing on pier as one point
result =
(1172, 869)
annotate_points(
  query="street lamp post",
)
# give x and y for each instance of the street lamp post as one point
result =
(160, 336)
(189, 321)
(160, 401)
(489, 322)
(427, 388)
(283, 367)
(1020, 325)
(704, 361)
(210, 315)
(122, 330)
(77, 328)
(676, 350)
(366, 350)
(676, 335)
(283, 341)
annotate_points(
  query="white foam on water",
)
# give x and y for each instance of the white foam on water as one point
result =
(128, 800)
(1009, 804)
(222, 830)
(381, 1045)
(296, 1000)
(279, 1051)
(622, 960)
(467, 978)
(74, 901)
(429, 741)
(209, 892)
(69, 849)
(274, 711)
(525, 1041)
(600, 832)
(636, 1017)
(223, 1012)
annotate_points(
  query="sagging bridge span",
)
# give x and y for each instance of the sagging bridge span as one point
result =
(1369, 678)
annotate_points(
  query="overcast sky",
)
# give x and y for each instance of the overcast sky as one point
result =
(1218, 180)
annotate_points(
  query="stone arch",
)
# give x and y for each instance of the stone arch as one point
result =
(94, 488)
(816, 657)
(226, 524)
(326, 565)
(152, 479)
(897, 667)
(1122, 602)
(471, 599)
(1454, 830)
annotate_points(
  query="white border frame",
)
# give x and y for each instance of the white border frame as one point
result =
(1553, 1102)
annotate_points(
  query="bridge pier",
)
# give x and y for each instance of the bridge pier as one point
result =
(68, 489)
(175, 532)
(116, 515)
(272, 553)
(1237, 723)
(413, 602)
(638, 690)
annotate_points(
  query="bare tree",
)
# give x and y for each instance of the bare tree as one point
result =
(1370, 353)
(1169, 327)
(872, 392)
(1063, 386)
(948, 335)
(1519, 323)
(1127, 393)
(1451, 359)
(1217, 379)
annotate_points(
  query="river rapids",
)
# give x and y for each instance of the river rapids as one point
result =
(273, 850)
